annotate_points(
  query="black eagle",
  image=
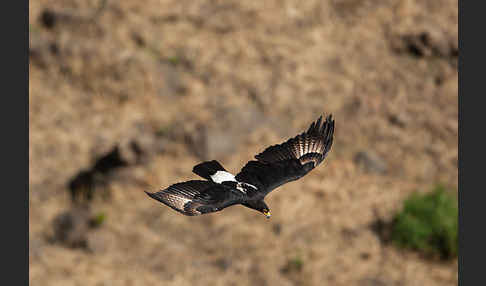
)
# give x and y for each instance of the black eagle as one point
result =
(275, 166)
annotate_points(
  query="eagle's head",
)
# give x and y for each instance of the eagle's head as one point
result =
(260, 206)
(267, 213)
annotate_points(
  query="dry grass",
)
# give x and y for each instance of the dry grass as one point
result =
(153, 64)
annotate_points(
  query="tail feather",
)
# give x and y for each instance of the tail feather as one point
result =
(208, 168)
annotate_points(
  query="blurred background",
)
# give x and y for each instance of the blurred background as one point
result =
(127, 96)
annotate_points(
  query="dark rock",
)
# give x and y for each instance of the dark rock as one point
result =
(223, 263)
(48, 18)
(71, 227)
(85, 184)
(371, 162)
(138, 39)
(439, 80)
(429, 42)
(112, 160)
(54, 48)
(365, 255)
(397, 120)
(277, 228)
(79, 228)
(382, 229)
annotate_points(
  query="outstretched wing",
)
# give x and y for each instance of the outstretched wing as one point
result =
(198, 197)
(310, 146)
(289, 161)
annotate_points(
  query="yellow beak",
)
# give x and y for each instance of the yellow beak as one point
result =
(267, 214)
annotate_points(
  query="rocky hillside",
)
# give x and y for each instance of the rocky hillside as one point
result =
(127, 96)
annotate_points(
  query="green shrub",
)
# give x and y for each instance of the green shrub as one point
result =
(293, 265)
(174, 60)
(98, 220)
(428, 223)
(163, 131)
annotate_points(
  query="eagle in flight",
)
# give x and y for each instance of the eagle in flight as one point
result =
(275, 166)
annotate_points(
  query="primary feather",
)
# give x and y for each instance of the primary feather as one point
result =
(196, 197)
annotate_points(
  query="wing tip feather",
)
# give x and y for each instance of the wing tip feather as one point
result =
(152, 195)
(317, 138)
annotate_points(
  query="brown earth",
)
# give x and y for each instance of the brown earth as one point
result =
(186, 81)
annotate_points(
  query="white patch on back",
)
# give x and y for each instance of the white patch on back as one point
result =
(222, 176)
